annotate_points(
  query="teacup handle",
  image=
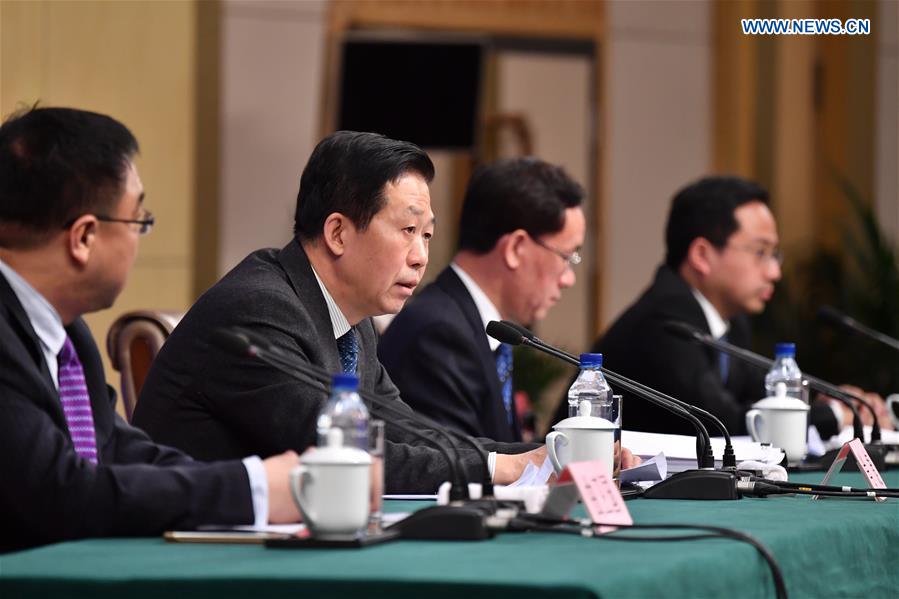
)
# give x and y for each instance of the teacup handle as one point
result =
(301, 476)
(552, 439)
(752, 418)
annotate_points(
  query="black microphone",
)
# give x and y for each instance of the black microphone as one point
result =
(834, 316)
(686, 331)
(451, 522)
(245, 343)
(703, 483)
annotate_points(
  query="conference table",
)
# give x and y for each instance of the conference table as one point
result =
(834, 547)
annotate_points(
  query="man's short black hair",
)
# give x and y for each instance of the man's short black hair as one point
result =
(347, 173)
(706, 209)
(512, 194)
(57, 164)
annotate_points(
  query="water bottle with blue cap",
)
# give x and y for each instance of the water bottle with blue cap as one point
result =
(345, 411)
(784, 378)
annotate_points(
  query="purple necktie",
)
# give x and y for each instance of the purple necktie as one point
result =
(76, 403)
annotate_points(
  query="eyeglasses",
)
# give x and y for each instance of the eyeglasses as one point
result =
(763, 255)
(146, 221)
(572, 259)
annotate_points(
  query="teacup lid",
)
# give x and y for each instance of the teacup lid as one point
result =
(337, 453)
(584, 422)
(780, 402)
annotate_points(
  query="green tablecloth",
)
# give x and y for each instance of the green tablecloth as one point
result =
(827, 548)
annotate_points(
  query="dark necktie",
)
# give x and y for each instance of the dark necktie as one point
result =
(76, 403)
(348, 347)
(723, 361)
(504, 371)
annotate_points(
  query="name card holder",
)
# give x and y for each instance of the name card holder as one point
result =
(591, 483)
(865, 465)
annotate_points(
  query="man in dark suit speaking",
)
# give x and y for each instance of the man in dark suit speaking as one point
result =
(71, 214)
(519, 236)
(361, 232)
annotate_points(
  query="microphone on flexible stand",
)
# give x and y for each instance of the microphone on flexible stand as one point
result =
(834, 316)
(455, 521)
(875, 449)
(728, 460)
(703, 483)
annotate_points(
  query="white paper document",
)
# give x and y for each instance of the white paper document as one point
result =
(680, 450)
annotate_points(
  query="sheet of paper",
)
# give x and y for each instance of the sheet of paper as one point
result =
(680, 450)
(286, 529)
(655, 468)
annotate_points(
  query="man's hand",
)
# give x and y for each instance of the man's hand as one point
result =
(510, 466)
(874, 399)
(281, 507)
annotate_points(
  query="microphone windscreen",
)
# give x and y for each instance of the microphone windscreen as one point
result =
(231, 341)
(504, 333)
(832, 315)
(521, 330)
(681, 329)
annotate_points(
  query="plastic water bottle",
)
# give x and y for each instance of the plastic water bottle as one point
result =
(590, 389)
(785, 371)
(346, 411)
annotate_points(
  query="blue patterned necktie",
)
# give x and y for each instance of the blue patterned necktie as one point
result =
(348, 346)
(504, 371)
(76, 403)
(723, 361)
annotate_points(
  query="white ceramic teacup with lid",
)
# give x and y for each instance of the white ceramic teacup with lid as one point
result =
(331, 488)
(582, 438)
(781, 421)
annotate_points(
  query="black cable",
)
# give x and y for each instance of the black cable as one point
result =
(764, 488)
(583, 527)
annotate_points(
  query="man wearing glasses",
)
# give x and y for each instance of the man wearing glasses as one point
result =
(519, 236)
(70, 220)
(723, 259)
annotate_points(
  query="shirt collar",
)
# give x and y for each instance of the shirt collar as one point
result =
(486, 310)
(338, 321)
(44, 318)
(718, 327)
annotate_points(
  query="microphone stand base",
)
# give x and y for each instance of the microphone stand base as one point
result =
(445, 523)
(695, 484)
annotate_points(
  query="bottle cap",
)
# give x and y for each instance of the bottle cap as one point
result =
(591, 360)
(349, 382)
(785, 350)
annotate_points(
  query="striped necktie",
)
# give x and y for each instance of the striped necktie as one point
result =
(723, 361)
(348, 347)
(504, 372)
(76, 403)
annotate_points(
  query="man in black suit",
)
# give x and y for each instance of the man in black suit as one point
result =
(519, 236)
(723, 259)
(361, 232)
(70, 218)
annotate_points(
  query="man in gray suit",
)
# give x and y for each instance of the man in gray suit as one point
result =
(362, 227)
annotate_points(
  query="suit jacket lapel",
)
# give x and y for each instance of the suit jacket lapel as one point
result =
(455, 288)
(20, 322)
(296, 264)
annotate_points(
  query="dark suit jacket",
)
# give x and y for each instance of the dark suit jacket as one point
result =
(437, 353)
(637, 346)
(50, 494)
(204, 400)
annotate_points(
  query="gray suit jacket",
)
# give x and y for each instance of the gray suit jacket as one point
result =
(213, 405)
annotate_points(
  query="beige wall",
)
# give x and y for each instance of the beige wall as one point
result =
(272, 59)
(658, 115)
(134, 61)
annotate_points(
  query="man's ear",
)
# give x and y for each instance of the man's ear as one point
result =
(701, 256)
(513, 248)
(335, 231)
(81, 238)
